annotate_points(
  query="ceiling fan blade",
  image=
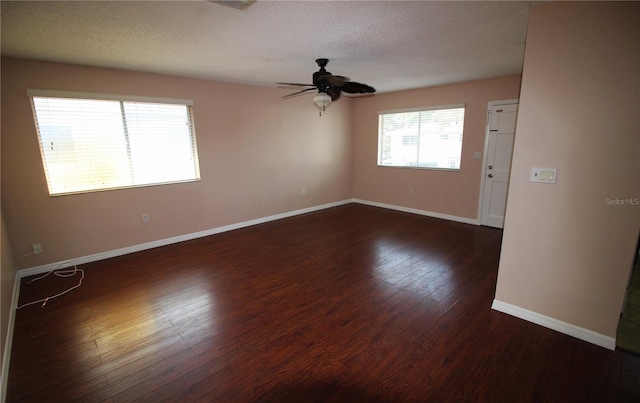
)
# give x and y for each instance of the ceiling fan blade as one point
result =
(359, 95)
(298, 93)
(296, 84)
(352, 87)
(334, 93)
(334, 80)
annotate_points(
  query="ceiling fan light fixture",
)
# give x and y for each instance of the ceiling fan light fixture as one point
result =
(322, 100)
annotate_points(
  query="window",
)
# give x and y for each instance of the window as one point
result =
(92, 142)
(430, 138)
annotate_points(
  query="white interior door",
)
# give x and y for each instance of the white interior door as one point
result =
(498, 151)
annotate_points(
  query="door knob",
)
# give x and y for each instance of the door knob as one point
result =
(490, 175)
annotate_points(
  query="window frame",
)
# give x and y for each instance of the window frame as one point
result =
(122, 98)
(379, 155)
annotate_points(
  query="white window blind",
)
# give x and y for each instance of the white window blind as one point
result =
(430, 138)
(99, 144)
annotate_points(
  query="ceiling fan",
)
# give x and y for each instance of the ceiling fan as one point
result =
(329, 87)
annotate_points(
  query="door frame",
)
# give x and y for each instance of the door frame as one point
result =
(483, 173)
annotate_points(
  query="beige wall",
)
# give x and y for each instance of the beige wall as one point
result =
(256, 154)
(454, 193)
(567, 251)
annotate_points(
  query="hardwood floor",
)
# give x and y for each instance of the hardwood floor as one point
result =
(353, 303)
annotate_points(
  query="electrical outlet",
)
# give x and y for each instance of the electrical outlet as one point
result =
(145, 218)
(410, 191)
(37, 248)
(303, 191)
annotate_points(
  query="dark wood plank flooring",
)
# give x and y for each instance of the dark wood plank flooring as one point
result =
(353, 303)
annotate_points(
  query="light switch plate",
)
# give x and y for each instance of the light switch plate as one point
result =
(543, 175)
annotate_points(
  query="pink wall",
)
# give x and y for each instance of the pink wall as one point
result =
(567, 251)
(453, 193)
(256, 154)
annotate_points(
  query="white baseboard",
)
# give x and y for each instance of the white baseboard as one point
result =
(168, 241)
(555, 324)
(433, 214)
(6, 358)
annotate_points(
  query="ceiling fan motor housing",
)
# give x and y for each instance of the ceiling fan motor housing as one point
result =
(322, 86)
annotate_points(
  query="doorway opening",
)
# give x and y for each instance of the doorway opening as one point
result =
(628, 334)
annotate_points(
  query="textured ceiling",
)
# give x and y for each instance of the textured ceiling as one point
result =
(391, 45)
